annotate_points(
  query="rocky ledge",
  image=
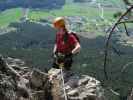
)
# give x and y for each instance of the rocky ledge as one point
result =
(19, 82)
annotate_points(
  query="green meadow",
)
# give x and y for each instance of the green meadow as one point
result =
(77, 9)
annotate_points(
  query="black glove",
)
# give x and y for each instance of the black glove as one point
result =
(60, 57)
(69, 55)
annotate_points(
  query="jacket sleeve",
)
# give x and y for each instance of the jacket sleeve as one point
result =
(73, 40)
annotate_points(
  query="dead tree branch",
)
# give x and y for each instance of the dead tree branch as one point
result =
(126, 21)
(108, 40)
(126, 29)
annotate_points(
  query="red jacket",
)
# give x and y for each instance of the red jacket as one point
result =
(67, 47)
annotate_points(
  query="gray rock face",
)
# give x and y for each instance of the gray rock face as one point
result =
(38, 78)
(7, 88)
(78, 87)
(18, 82)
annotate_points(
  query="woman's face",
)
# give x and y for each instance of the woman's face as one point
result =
(62, 30)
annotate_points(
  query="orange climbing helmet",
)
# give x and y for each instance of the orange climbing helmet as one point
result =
(59, 22)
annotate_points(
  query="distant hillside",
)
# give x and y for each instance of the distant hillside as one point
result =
(47, 4)
(107, 3)
(82, 0)
(28, 34)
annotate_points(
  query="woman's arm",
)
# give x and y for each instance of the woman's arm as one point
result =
(55, 48)
(76, 49)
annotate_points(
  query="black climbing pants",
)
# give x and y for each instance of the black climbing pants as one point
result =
(67, 61)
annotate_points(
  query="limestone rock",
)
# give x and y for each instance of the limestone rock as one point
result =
(38, 78)
(38, 95)
(73, 93)
(84, 87)
(16, 79)
(18, 82)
